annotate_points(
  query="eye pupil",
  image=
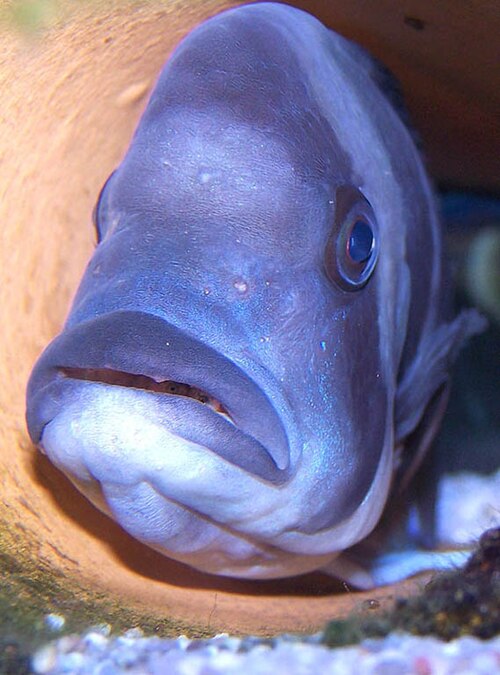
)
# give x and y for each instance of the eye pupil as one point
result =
(360, 244)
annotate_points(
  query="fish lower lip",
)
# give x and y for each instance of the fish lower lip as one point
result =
(167, 387)
(180, 416)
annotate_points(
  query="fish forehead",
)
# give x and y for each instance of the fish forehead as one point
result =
(244, 66)
(204, 187)
(280, 71)
(234, 131)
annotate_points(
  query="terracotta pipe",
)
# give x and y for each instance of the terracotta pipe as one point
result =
(71, 97)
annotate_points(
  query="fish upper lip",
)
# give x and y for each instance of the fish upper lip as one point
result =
(142, 345)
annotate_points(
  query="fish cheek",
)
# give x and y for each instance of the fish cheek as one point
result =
(368, 388)
(360, 415)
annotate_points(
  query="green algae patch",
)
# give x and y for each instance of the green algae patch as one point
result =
(462, 602)
(31, 589)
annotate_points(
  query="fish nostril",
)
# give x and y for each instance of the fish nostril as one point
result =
(123, 379)
(241, 285)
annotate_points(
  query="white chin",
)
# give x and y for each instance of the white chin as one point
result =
(185, 500)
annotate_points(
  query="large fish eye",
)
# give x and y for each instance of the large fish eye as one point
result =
(352, 250)
(99, 211)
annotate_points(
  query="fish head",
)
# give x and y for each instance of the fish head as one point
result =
(224, 384)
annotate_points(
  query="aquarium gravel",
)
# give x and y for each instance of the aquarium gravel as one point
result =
(96, 653)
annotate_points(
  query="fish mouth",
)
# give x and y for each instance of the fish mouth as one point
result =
(171, 387)
(197, 392)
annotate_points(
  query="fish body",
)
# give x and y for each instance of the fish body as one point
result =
(263, 324)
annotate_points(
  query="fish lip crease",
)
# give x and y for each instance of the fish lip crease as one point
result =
(166, 387)
(146, 346)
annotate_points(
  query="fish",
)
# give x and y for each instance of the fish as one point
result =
(258, 354)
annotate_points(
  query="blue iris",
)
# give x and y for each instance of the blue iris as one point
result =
(360, 242)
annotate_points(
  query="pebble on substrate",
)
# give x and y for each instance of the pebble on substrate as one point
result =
(45, 659)
(55, 622)
(95, 642)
